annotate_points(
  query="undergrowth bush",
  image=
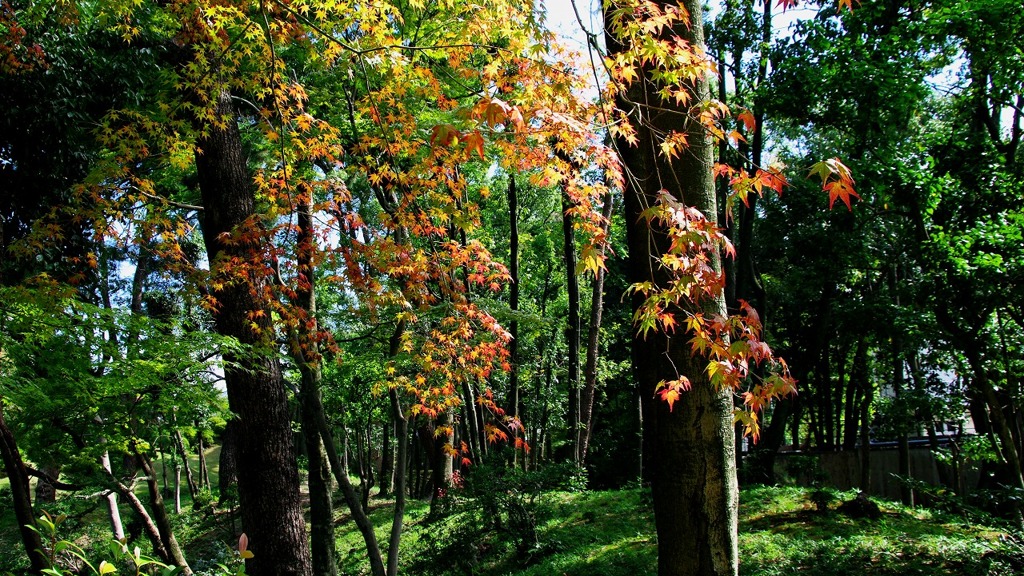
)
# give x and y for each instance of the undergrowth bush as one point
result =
(66, 558)
(495, 511)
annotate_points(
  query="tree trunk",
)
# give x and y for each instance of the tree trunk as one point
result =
(904, 429)
(268, 480)
(512, 408)
(1001, 428)
(306, 355)
(179, 444)
(593, 345)
(18, 477)
(177, 487)
(572, 329)
(46, 493)
(402, 440)
(469, 408)
(321, 505)
(163, 521)
(204, 470)
(387, 460)
(690, 449)
(441, 462)
(113, 512)
(148, 525)
(227, 478)
(760, 463)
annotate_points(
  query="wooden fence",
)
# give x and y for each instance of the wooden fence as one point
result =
(841, 469)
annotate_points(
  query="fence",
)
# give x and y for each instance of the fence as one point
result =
(842, 469)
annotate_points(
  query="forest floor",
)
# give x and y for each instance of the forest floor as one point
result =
(610, 533)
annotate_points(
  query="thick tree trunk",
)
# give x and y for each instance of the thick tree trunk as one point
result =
(690, 450)
(268, 480)
(227, 478)
(18, 477)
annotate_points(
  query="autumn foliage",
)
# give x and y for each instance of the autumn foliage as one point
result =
(423, 105)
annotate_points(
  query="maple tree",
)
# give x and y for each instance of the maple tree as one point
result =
(271, 127)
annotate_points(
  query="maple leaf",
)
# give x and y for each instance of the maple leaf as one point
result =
(836, 179)
(670, 391)
(748, 420)
(748, 120)
(494, 435)
(522, 445)
(842, 190)
(670, 396)
(496, 112)
(475, 143)
(444, 135)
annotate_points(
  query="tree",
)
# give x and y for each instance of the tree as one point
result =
(689, 446)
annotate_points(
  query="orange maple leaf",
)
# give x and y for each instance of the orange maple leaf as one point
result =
(475, 143)
(748, 120)
(843, 190)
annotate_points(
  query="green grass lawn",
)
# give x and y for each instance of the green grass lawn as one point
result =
(611, 533)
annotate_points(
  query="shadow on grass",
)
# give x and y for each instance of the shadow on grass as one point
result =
(810, 543)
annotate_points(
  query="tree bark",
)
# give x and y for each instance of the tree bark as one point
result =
(306, 354)
(387, 460)
(227, 478)
(113, 512)
(512, 408)
(18, 477)
(402, 439)
(690, 450)
(593, 346)
(321, 504)
(46, 492)
(572, 329)
(179, 444)
(204, 470)
(163, 521)
(268, 480)
(148, 525)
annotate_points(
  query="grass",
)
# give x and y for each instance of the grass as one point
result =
(611, 533)
(88, 520)
(782, 533)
